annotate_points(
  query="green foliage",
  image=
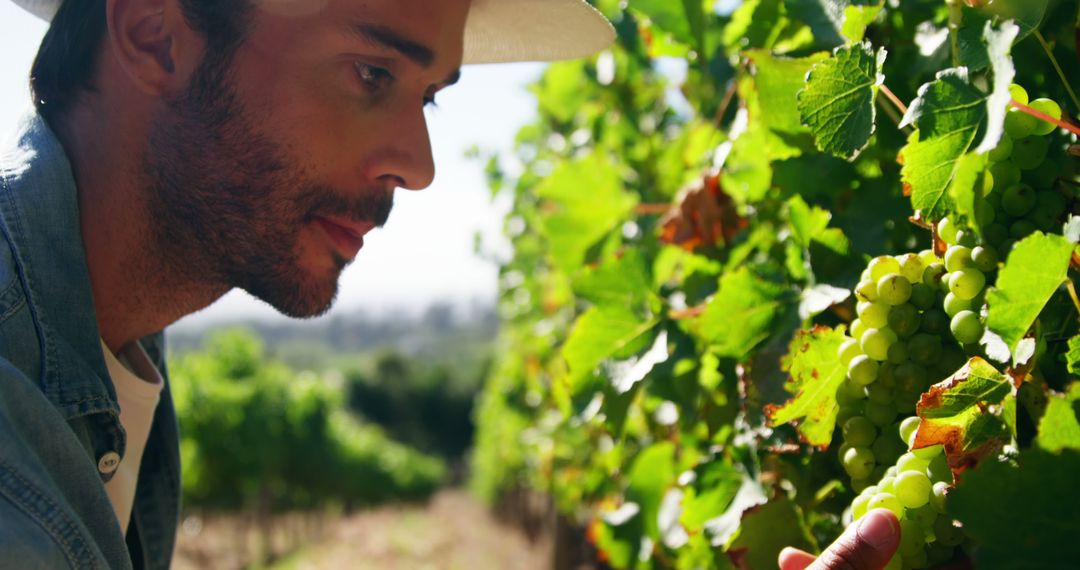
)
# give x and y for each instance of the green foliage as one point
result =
(690, 250)
(256, 435)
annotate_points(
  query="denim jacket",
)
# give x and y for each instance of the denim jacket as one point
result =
(60, 432)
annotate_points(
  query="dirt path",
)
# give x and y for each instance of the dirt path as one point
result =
(452, 532)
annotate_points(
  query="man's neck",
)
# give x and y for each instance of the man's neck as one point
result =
(136, 292)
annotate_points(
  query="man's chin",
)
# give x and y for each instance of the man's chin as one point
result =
(298, 300)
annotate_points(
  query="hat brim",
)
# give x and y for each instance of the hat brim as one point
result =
(500, 31)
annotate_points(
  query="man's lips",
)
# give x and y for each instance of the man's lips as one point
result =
(346, 235)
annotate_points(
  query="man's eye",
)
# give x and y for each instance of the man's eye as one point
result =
(373, 78)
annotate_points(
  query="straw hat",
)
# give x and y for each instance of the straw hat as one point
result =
(501, 30)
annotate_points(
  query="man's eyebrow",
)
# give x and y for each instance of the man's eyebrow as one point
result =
(388, 38)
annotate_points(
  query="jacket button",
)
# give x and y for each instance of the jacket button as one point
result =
(108, 462)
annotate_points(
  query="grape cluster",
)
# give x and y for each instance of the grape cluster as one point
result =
(1019, 194)
(969, 267)
(914, 490)
(900, 344)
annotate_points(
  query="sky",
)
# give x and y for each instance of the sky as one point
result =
(425, 254)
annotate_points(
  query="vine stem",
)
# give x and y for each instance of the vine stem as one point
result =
(956, 17)
(652, 209)
(1057, 68)
(684, 314)
(1043, 116)
(895, 100)
(1072, 293)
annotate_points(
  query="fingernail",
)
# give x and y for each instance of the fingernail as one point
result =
(877, 529)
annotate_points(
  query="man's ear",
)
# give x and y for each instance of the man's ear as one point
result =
(146, 37)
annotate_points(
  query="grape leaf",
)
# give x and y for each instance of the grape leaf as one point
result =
(1059, 427)
(777, 81)
(1072, 358)
(650, 476)
(953, 117)
(825, 18)
(765, 531)
(838, 100)
(1036, 267)
(715, 486)
(857, 18)
(816, 373)
(967, 414)
(621, 282)
(745, 299)
(600, 333)
(583, 201)
(755, 24)
(1022, 517)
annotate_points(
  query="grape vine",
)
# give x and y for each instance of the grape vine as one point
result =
(751, 299)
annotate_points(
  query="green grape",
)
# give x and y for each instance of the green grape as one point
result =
(894, 289)
(886, 376)
(954, 304)
(910, 377)
(984, 213)
(947, 532)
(995, 233)
(1046, 173)
(934, 322)
(967, 282)
(1005, 174)
(875, 343)
(939, 471)
(1029, 153)
(957, 257)
(883, 265)
(1021, 229)
(927, 256)
(887, 450)
(1049, 107)
(1019, 125)
(858, 506)
(940, 491)
(917, 560)
(908, 427)
(849, 349)
(924, 348)
(946, 230)
(924, 515)
(1018, 200)
(886, 483)
(859, 432)
(886, 501)
(911, 536)
(928, 453)
(881, 414)
(985, 258)
(862, 370)
(897, 353)
(922, 296)
(1002, 150)
(911, 267)
(858, 328)
(866, 290)
(874, 314)
(913, 489)
(951, 359)
(858, 462)
(911, 462)
(876, 392)
(895, 563)
(904, 320)
(1018, 93)
(934, 273)
(965, 238)
(966, 327)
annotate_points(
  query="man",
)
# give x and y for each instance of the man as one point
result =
(182, 148)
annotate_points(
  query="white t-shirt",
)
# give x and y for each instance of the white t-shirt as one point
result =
(138, 390)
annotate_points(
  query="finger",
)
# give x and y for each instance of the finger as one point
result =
(867, 545)
(795, 559)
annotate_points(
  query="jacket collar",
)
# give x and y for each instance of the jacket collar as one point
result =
(39, 215)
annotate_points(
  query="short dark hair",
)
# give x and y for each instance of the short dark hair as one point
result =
(65, 64)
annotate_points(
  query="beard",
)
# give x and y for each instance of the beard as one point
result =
(227, 203)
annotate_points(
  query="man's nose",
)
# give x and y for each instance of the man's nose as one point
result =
(407, 162)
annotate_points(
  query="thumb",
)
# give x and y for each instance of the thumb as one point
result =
(867, 545)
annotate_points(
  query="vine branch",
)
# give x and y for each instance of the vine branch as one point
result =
(1043, 116)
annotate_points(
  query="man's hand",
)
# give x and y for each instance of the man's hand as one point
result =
(865, 545)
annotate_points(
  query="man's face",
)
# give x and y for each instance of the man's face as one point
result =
(268, 170)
